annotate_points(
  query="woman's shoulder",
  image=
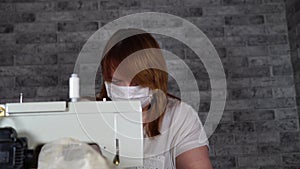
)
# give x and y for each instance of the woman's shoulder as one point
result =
(178, 105)
(178, 109)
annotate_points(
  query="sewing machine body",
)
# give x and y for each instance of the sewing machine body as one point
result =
(92, 122)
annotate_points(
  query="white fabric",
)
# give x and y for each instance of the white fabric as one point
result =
(69, 153)
(142, 94)
(181, 131)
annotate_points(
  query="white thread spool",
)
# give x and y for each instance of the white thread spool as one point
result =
(74, 87)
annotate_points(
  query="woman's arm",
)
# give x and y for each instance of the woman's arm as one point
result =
(196, 158)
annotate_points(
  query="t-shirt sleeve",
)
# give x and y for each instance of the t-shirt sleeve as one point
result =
(190, 132)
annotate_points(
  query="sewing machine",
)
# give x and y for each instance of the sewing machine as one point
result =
(100, 122)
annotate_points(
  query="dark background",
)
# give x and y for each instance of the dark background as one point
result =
(257, 40)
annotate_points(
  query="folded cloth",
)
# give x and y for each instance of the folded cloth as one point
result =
(69, 153)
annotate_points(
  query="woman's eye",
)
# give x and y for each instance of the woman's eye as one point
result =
(115, 82)
(133, 84)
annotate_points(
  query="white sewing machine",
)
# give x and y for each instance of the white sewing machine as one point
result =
(89, 121)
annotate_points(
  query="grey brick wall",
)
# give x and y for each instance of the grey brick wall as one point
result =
(40, 41)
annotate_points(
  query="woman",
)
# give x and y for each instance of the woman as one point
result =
(133, 67)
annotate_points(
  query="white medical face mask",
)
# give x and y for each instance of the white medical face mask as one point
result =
(115, 92)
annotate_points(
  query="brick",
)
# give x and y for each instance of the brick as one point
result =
(213, 31)
(55, 16)
(245, 9)
(268, 137)
(53, 91)
(238, 82)
(106, 4)
(269, 149)
(221, 10)
(275, 18)
(14, 92)
(77, 26)
(68, 47)
(253, 115)
(249, 72)
(287, 137)
(77, 5)
(238, 104)
(283, 125)
(36, 60)
(291, 159)
(209, 21)
(291, 167)
(17, 17)
(7, 7)
(220, 139)
(65, 58)
(239, 2)
(258, 61)
(272, 81)
(36, 38)
(238, 30)
(284, 92)
(7, 39)
(184, 12)
(73, 36)
(7, 81)
(274, 103)
(31, 81)
(35, 27)
(223, 162)
(239, 94)
(65, 72)
(289, 113)
(266, 9)
(273, 1)
(280, 60)
(162, 23)
(279, 49)
(35, 6)
(242, 127)
(35, 70)
(260, 93)
(247, 51)
(221, 52)
(237, 61)
(226, 117)
(250, 93)
(25, 17)
(244, 20)
(245, 138)
(267, 40)
(39, 49)
(259, 160)
(6, 60)
(290, 147)
(6, 28)
(276, 29)
(224, 150)
(282, 70)
(221, 42)
(202, 3)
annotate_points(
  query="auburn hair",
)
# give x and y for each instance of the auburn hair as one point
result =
(144, 65)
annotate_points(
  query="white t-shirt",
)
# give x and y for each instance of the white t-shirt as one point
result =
(181, 131)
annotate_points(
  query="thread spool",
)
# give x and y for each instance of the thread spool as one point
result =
(74, 87)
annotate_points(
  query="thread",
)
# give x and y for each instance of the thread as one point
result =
(74, 87)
